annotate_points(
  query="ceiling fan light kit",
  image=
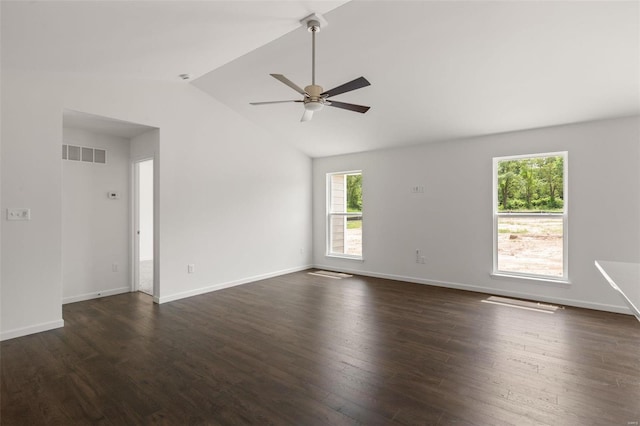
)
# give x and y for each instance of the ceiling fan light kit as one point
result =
(315, 98)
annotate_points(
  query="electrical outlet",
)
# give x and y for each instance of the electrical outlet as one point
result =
(114, 267)
(191, 268)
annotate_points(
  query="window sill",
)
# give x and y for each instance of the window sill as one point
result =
(345, 256)
(542, 280)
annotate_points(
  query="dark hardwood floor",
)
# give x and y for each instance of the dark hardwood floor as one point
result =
(307, 350)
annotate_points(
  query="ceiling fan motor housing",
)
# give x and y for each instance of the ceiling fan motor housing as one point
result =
(313, 102)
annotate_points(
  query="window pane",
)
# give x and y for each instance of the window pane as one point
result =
(531, 184)
(345, 214)
(530, 245)
(338, 196)
(354, 193)
(346, 235)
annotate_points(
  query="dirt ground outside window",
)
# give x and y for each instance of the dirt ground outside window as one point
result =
(525, 245)
(530, 245)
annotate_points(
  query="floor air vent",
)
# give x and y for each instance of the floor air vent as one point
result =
(521, 304)
(329, 274)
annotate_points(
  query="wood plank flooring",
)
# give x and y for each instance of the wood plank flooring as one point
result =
(308, 350)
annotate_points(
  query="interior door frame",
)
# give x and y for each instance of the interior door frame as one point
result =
(135, 226)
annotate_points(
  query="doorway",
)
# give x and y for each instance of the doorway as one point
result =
(143, 226)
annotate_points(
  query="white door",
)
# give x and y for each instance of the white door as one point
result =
(143, 226)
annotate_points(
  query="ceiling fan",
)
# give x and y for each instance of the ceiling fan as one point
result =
(315, 98)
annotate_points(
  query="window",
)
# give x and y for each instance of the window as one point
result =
(344, 214)
(530, 216)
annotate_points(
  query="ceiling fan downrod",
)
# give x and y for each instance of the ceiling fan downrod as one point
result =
(313, 27)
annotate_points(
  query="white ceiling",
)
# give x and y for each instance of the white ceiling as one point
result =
(439, 70)
(148, 39)
(443, 70)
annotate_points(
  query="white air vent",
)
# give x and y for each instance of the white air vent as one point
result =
(87, 155)
(330, 274)
(521, 304)
(84, 154)
(100, 156)
(74, 153)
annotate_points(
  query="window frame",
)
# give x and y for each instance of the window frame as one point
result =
(331, 214)
(564, 279)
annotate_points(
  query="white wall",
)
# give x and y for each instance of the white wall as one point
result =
(31, 293)
(604, 210)
(95, 229)
(233, 201)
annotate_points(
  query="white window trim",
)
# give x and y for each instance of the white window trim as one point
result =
(564, 279)
(330, 214)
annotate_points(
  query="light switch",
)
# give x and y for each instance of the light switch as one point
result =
(18, 214)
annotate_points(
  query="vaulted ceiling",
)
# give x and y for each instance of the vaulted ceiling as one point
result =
(144, 39)
(439, 70)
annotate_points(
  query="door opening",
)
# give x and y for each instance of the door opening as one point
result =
(143, 227)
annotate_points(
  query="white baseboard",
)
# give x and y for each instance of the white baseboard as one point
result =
(95, 295)
(215, 287)
(32, 329)
(620, 309)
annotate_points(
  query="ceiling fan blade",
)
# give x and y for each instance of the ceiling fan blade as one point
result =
(289, 83)
(271, 102)
(307, 115)
(350, 107)
(358, 83)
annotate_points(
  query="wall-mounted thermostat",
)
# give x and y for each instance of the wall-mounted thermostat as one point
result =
(114, 195)
(18, 214)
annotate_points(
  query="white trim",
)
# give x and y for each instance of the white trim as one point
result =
(95, 295)
(564, 215)
(32, 329)
(220, 286)
(541, 214)
(345, 256)
(536, 155)
(350, 172)
(486, 290)
(530, 277)
(135, 225)
(330, 214)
